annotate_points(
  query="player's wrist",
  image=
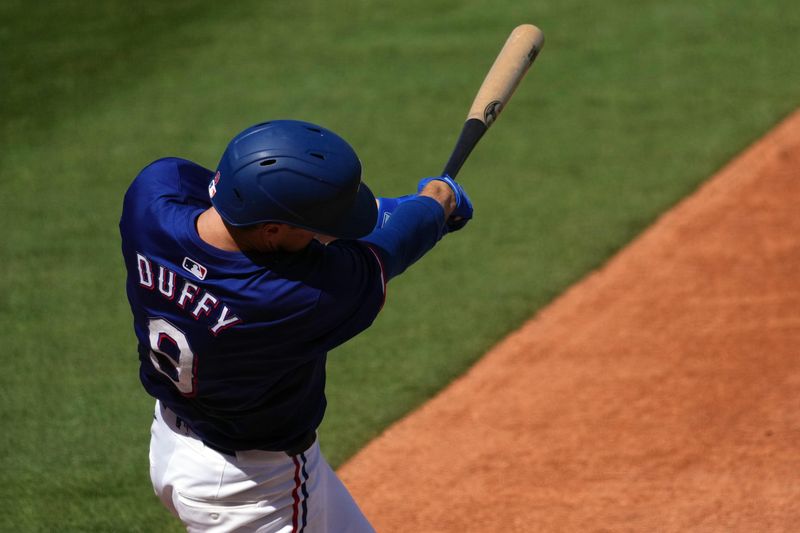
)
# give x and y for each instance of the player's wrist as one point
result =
(442, 193)
(452, 197)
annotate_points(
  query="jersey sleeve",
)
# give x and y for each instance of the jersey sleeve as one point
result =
(351, 285)
(352, 275)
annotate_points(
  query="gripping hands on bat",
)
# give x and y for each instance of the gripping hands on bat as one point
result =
(457, 219)
(463, 210)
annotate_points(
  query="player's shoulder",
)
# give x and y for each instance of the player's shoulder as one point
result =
(174, 167)
(163, 163)
(170, 181)
(170, 176)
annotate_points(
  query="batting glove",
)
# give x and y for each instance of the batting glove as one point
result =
(463, 211)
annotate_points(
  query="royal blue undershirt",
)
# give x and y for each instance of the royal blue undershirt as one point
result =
(414, 228)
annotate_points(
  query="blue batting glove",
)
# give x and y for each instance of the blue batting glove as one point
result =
(386, 207)
(463, 211)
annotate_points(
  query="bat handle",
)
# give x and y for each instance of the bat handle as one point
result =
(471, 133)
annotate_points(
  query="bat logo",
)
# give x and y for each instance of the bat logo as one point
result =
(491, 112)
(532, 55)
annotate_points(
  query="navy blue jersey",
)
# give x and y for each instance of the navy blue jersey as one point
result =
(236, 343)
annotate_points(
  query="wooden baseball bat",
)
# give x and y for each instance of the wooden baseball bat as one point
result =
(511, 64)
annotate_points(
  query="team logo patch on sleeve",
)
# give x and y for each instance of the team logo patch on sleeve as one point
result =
(195, 268)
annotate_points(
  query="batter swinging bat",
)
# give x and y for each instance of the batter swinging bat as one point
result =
(511, 64)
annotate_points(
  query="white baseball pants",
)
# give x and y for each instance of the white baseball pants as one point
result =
(256, 490)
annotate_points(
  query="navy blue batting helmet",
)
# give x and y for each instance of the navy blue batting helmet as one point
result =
(297, 173)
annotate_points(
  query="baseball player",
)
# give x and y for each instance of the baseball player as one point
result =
(240, 281)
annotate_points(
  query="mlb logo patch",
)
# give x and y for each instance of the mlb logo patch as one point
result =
(195, 268)
(212, 187)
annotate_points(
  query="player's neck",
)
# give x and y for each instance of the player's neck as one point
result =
(212, 231)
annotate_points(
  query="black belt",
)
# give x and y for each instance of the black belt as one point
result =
(302, 444)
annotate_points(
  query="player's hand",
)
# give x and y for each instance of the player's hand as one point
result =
(463, 210)
(386, 207)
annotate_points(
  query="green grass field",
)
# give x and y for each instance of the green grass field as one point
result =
(630, 106)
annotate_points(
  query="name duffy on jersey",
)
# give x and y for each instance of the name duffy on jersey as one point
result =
(191, 298)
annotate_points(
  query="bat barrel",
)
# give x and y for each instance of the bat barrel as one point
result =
(515, 58)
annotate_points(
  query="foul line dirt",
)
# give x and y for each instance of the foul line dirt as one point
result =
(662, 393)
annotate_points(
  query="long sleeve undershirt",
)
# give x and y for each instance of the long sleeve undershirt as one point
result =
(413, 229)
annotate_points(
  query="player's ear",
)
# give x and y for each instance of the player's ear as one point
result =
(271, 228)
(267, 236)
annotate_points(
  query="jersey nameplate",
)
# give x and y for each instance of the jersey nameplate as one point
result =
(189, 297)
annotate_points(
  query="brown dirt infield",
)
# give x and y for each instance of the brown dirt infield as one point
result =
(662, 393)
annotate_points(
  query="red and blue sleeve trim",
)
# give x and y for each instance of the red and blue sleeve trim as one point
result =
(383, 272)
